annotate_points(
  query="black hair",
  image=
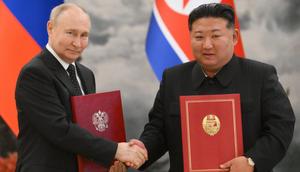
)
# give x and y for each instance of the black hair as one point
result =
(216, 10)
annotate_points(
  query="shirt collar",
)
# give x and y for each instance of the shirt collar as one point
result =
(224, 75)
(64, 64)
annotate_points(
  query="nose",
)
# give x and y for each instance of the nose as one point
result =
(76, 42)
(207, 43)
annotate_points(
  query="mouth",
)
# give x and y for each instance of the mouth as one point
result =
(74, 51)
(208, 55)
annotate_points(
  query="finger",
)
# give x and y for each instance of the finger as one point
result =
(142, 152)
(134, 163)
(139, 156)
(128, 164)
(140, 147)
(112, 169)
(226, 165)
(122, 167)
(137, 142)
(137, 162)
(119, 167)
(132, 142)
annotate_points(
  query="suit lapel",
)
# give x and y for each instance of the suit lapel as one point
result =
(58, 70)
(64, 78)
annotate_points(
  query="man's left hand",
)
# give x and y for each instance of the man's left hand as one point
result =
(239, 164)
(118, 167)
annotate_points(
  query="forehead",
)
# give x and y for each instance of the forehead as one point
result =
(209, 24)
(73, 18)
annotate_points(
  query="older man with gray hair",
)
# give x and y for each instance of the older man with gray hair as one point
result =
(48, 140)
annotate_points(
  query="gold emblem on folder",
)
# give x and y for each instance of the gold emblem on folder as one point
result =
(211, 124)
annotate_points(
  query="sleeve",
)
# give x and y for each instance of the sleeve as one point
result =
(153, 135)
(40, 106)
(277, 127)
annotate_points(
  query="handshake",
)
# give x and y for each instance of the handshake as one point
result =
(132, 153)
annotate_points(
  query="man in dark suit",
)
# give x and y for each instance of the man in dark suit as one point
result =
(267, 116)
(48, 140)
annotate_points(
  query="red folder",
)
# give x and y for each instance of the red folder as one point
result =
(101, 114)
(211, 131)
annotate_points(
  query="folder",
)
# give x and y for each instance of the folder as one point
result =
(102, 115)
(211, 131)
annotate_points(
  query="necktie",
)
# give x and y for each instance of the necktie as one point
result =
(72, 74)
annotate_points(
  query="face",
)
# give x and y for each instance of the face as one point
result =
(68, 35)
(212, 42)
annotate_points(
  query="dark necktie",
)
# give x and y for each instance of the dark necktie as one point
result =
(72, 74)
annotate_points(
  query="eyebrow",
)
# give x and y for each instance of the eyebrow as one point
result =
(214, 30)
(75, 30)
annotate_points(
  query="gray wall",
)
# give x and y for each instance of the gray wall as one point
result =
(270, 33)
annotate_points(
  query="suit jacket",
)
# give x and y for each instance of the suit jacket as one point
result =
(48, 139)
(267, 116)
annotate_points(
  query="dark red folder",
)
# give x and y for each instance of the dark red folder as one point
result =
(211, 131)
(101, 114)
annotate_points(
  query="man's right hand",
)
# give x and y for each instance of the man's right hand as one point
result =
(132, 154)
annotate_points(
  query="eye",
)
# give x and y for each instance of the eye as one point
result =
(85, 35)
(69, 33)
(216, 36)
(199, 37)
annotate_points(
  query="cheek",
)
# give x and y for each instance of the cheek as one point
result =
(196, 46)
(84, 43)
(222, 45)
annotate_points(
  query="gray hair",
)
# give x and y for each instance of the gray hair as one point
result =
(58, 10)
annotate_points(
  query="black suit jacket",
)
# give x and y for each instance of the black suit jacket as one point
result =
(267, 116)
(48, 140)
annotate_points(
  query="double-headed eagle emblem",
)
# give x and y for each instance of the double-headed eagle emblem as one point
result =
(100, 121)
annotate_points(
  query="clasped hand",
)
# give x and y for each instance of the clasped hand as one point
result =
(133, 153)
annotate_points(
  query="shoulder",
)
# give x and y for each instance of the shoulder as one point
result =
(35, 65)
(34, 75)
(254, 66)
(83, 68)
(181, 69)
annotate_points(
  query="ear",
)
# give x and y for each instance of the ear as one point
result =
(236, 35)
(49, 27)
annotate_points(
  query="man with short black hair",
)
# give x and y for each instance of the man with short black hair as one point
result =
(267, 116)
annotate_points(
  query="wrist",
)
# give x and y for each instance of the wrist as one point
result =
(119, 150)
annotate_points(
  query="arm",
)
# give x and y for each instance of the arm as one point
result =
(277, 124)
(153, 135)
(41, 109)
(276, 120)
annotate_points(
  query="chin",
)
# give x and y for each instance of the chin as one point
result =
(73, 56)
(209, 63)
